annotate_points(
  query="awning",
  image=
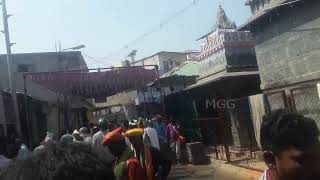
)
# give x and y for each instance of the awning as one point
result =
(98, 85)
(184, 74)
(220, 76)
(175, 80)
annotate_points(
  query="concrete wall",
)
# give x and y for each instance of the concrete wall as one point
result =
(40, 62)
(241, 58)
(176, 58)
(227, 50)
(153, 60)
(287, 45)
(52, 120)
(213, 64)
(160, 59)
(241, 124)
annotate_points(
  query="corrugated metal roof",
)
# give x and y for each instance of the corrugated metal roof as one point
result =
(187, 68)
(186, 73)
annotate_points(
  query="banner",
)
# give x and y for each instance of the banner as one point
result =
(94, 84)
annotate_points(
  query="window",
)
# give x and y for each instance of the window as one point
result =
(25, 68)
(171, 64)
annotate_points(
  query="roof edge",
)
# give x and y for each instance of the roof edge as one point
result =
(157, 54)
(265, 12)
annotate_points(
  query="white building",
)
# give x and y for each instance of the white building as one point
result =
(164, 60)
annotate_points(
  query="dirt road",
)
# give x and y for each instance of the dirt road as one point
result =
(215, 171)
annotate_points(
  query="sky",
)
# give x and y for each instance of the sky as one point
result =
(106, 27)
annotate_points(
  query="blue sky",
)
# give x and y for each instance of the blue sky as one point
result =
(106, 26)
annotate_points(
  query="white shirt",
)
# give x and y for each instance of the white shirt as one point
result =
(97, 145)
(153, 137)
(23, 152)
(97, 139)
(128, 143)
(88, 140)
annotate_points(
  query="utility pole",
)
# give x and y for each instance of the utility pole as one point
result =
(8, 48)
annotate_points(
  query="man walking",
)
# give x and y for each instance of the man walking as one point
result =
(160, 127)
(85, 134)
(126, 166)
(150, 134)
(97, 140)
(173, 138)
(66, 139)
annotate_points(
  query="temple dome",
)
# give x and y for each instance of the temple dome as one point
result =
(223, 22)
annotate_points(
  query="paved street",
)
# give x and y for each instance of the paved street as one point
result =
(215, 171)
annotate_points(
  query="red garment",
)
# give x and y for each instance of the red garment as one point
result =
(119, 130)
(267, 175)
(149, 165)
(135, 171)
(113, 136)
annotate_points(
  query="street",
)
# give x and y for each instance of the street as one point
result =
(217, 170)
(120, 89)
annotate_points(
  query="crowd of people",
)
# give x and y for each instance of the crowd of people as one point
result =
(145, 150)
(142, 149)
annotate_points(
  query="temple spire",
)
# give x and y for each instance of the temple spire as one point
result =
(223, 22)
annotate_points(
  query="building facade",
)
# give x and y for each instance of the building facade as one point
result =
(287, 45)
(164, 60)
(217, 103)
(46, 110)
(38, 62)
(226, 54)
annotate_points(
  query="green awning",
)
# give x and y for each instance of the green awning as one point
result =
(185, 74)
